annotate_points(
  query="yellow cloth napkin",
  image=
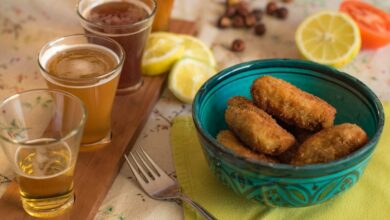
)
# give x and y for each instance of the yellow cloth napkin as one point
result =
(368, 199)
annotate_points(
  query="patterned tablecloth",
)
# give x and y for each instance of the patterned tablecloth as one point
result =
(26, 25)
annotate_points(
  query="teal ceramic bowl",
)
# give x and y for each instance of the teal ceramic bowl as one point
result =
(283, 184)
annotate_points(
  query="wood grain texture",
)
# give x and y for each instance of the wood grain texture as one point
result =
(96, 170)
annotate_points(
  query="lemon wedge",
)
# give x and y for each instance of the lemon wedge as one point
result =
(162, 50)
(196, 49)
(330, 38)
(187, 76)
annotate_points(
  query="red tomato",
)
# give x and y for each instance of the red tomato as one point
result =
(374, 24)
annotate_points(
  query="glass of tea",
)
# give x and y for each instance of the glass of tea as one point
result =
(88, 67)
(129, 23)
(40, 133)
(163, 15)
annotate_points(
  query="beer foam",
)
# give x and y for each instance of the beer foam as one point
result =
(138, 3)
(77, 68)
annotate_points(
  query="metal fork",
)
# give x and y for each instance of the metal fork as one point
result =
(156, 183)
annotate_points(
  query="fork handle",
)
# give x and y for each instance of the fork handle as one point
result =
(202, 211)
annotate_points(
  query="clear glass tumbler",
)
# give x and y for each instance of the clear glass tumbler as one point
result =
(129, 23)
(163, 15)
(40, 132)
(89, 67)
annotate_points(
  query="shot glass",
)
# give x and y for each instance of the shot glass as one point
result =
(163, 15)
(129, 23)
(88, 67)
(40, 132)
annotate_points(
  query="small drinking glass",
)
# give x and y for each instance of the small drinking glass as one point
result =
(40, 132)
(87, 66)
(129, 23)
(163, 15)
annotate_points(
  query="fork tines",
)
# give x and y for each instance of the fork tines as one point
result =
(142, 166)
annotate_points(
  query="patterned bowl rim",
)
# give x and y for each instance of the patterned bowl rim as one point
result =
(286, 63)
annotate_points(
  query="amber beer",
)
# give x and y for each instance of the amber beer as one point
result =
(41, 136)
(163, 15)
(45, 178)
(98, 97)
(90, 70)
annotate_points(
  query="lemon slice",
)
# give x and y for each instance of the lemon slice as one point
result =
(187, 76)
(330, 38)
(196, 49)
(162, 50)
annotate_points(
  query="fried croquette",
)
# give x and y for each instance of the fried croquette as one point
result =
(330, 144)
(244, 103)
(229, 140)
(256, 128)
(288, 103)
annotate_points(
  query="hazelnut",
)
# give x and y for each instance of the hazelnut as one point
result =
(271, 8)
(238, 45)
(224, 22)
(258, 13)
(242, 9)
(260, 29)
(238, 21)
(250, 21)
(230, 11)
(281, 13)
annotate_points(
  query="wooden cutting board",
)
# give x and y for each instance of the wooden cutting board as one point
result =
(96, 170)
